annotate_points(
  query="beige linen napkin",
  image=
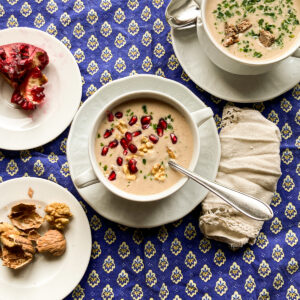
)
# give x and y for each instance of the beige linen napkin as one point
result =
(250, 163)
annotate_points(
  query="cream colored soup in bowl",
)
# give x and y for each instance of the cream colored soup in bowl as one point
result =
(254, 30)
(135, 142)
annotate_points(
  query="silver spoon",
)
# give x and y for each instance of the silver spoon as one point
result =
(182, 14)
(246, 204)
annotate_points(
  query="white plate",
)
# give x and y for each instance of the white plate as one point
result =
(46, 278)
(133, 214)
(20, 130)
(236, 88)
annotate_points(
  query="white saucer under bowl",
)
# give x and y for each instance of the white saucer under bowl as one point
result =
(20, 130)
(46, 277)
(227, 86)
(129, 213)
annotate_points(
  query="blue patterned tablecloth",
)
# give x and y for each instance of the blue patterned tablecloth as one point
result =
(112, 39)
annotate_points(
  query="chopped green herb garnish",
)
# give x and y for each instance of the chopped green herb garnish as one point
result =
(144, 107)
(99, 136)
(144, 161)
(101, 144)
(105, 168)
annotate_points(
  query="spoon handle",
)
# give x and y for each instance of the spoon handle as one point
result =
(246, 204)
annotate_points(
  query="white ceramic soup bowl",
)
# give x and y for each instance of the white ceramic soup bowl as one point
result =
(229, 62)
(95, 174)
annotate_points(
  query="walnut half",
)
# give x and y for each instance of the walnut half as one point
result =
(58, 215)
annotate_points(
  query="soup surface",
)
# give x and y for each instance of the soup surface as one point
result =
(254, 29)
(135, 142)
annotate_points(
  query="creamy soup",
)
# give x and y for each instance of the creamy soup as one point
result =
(135, 142)
(254, 29)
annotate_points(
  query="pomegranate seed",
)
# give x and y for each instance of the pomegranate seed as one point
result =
(110, 116)
(133, 120)
(160, 131)
(119, 161)
(123, 143)
(145, 120)
(173, 138)
(136, 133)
(112, 176)
(132, 148)
(162, 123)
(128, 136)
(104, 150)
(113, 144)
(153, 138)
(145, 126)
(132, 166)
(125, 152)
(107, 133)
(119, 115)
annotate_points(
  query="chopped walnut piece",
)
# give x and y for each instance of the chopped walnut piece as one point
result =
(4, 227)
(127, 173)
(171, 153)
(17, 251)
(231, 35)
(266, 38)
(158, 171)
(122, 126)
(30, 192)
(58, 215)
(24, 216)
(243, 26)
(146, 145)
(53, 241)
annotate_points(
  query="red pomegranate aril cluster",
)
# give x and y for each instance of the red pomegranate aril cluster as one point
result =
(119, 115)
(173, 138)
(145, 121)
(112, 176)
(110, 116)
(132, 166)
(108, 133)
(128, 136)
(160, 131)
(153, 138)
(104, 150)
(119, 161)
(162, 123)
(132, 148)
(133, 120)
(113, 144)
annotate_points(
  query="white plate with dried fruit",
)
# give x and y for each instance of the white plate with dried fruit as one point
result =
(40, 88)
(45, 240)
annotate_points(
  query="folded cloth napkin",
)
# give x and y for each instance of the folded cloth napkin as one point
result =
(250, 163)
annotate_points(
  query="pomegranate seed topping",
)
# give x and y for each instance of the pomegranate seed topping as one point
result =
(110, 116)
(107, 133)
(162, 123)
(112, 176)
(119, 115)
(173, 138)
(145, 120)
(125, 152)
(160, 131)
(113, 144)
(153, 138)
(123, 143)
(119, 161)
(133, 120)
(132, 166)
(145, 126)
(104, 151)
(128, 136)
(132, 148)
(136, 133)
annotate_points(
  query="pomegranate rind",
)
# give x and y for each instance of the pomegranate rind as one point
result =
(24, 217)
